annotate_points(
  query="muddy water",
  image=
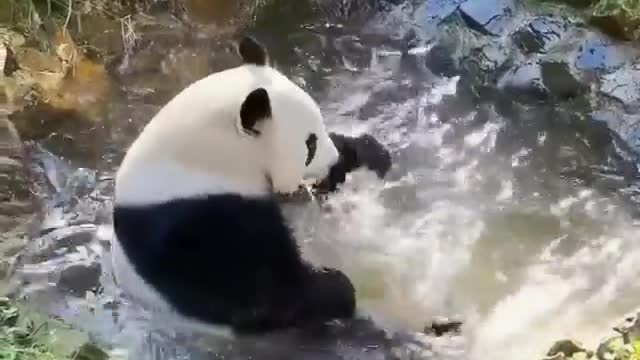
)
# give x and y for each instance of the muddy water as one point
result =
(510, 204)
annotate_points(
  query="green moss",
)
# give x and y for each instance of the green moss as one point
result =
(617, 18)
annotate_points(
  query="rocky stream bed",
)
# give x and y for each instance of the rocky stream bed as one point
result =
(513, 203)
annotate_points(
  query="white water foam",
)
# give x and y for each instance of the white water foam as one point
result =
(435, 241)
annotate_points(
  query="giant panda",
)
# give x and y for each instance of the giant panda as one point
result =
(197, 227)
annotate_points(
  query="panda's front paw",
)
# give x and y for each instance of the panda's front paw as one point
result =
(355, 152)
(372, 154)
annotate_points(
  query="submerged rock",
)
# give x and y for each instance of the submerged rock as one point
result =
(491, 17)
(540, 34)
(559, 80)
(524, 80)
(600, 53)
(434, 11)
(624, 85)
(440, 61)
(77, 279)
(63, 78)
(56, 242)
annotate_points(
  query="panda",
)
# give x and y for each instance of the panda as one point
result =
(198, 229)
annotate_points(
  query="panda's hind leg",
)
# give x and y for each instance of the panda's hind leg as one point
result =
(329, 295)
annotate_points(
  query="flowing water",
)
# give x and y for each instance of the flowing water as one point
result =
(477, 220)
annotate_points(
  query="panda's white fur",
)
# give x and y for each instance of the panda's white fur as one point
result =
(195, 144)
(195, 221)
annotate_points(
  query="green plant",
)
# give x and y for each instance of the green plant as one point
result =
(30, 14)
(629, 8)
(19, 343)
(635, 350)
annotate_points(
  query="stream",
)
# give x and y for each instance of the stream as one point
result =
(513, 203)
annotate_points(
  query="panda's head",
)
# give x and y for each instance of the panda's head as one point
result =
(285, 118)
(247, 130)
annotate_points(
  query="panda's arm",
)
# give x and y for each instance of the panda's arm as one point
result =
(356, 152)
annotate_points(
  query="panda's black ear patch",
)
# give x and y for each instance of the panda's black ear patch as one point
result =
(256, 107)
(252, 52)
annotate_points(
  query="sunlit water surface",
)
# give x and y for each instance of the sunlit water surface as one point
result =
(451, 232)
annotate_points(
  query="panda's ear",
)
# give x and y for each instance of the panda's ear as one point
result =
(255, 108)
(252, 52)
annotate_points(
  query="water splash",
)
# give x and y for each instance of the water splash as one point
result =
(456, 233)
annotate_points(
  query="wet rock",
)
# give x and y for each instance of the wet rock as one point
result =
(61, 113)
(10, 246)
(627, 126)
(79, 278)
(461, 104)
(623, 85)
(560, 81)
(440, 61)
(89, 351)
(66, 132)
(11, 38)
(568, 348)
(442, 326)
(102, 33)
(10, 143)
(434, 11)
(16, 207)
(8, 61)
(34, 61)
(154, 74)
(599, 53)
(491, 17)
(540, 34)
(524, 80)
(62, 78)
(58, 241)
(629, 328)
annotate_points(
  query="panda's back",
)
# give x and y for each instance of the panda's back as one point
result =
(205, 254)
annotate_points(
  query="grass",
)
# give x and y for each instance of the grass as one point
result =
(22, 338)
(19, 343)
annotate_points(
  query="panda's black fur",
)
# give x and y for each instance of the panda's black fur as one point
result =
(241, 265)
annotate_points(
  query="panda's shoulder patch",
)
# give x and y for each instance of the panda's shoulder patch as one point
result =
(252, 52)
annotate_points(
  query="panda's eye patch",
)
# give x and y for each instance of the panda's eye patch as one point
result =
(312, 143)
